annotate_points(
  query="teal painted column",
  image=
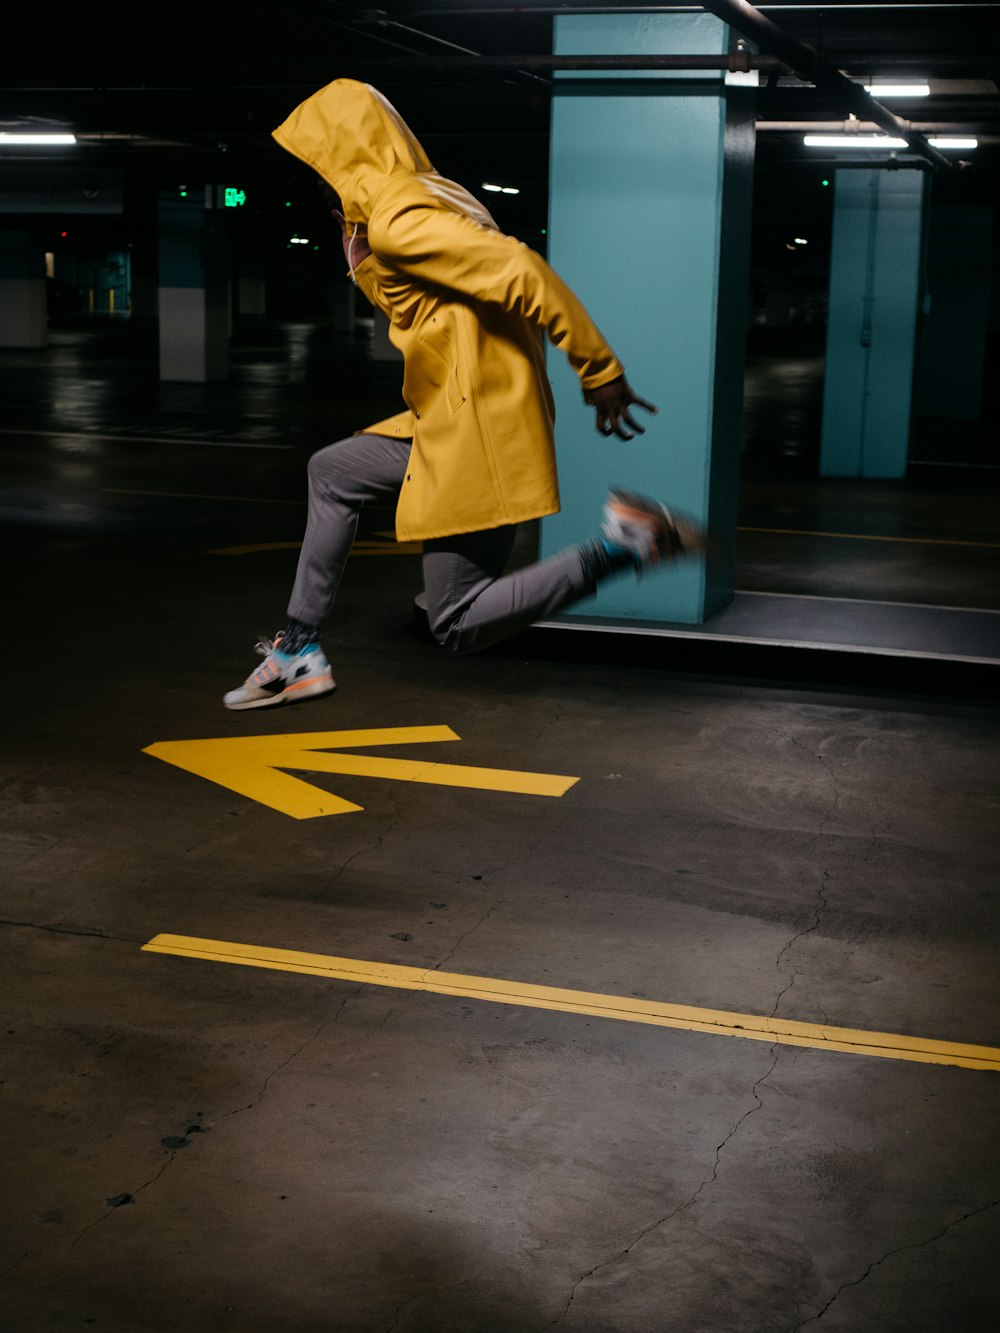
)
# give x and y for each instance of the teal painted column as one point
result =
(23, 302)
(194, 306)
(650, 224)
(875, 280)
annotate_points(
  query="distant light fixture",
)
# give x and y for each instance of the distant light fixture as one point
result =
(509, 189)
(898, 89)
(877, 141)
(33, 140)
(801, 240)
(299, 240)
(493, 189)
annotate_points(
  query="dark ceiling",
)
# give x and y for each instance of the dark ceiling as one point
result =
(194, 90)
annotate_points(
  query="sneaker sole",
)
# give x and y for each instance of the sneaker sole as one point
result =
(316, 688)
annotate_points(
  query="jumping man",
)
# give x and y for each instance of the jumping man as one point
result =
(473, 454)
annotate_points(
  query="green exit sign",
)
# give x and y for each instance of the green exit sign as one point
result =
(232, 197)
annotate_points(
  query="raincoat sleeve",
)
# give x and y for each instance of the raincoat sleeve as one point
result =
(438, 247)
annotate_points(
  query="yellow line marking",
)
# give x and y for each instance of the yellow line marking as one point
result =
(720, 1022)
(191, 495)
(254, 547)
(870, 537)
(250, 766)
(407, 547)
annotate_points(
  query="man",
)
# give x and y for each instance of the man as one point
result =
(473, 455)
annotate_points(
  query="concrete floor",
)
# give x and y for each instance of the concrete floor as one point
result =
(195, 1146)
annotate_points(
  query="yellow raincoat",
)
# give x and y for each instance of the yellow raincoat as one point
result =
(467, 309)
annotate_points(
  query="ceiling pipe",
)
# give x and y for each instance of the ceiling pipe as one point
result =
(851, 127)
(736, 62)
(805, 61)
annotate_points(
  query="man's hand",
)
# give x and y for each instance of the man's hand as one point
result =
(612, 402)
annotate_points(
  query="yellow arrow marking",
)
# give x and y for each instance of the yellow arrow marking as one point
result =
(250, 765)
(721, 1022)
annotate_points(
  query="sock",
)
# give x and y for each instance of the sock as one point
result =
(602, 558)
(298, 636)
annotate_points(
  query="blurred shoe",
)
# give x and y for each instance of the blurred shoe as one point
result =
(648, 531)
(283, 679)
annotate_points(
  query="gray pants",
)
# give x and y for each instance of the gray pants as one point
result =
(470, 602)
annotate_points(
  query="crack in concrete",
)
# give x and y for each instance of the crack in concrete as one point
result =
(70, 930)
(397, 1316)
(90, 1225)
(327, 1022)
(462, 938)
(546, 725)
(826, 876)
(681, 1208)
(499, 870)
(914, 1245)
(104, 1216)
(821, 907)
(362, 851)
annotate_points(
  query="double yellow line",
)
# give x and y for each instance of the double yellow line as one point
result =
(720, 1022)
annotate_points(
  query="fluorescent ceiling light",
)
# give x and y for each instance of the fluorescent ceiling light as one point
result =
(898, 89)
(801, 240)
(509, 189)
(879, 141)
(493, 189)
(852, 141)
(33, 139)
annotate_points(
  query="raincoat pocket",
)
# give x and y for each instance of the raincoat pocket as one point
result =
(432, 377)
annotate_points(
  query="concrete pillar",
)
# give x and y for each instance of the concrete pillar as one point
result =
(251, 293)
(194, 306)
(23, 306)
(344, 306)
(875, 295)
(650, 224)
(953, 330)
(252, 296)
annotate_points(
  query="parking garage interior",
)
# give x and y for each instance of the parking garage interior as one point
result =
(637, 975)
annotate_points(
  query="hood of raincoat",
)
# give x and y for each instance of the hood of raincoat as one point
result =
(358, 142)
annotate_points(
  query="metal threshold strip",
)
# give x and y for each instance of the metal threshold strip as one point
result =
(827, 624)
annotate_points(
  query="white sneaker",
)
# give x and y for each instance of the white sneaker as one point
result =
(281, 679)
(649, 531)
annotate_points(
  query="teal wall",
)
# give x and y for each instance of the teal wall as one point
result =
(650, 223)
(875, 293)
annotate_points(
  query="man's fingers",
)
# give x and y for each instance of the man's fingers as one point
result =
(650, 407)
(634, 425)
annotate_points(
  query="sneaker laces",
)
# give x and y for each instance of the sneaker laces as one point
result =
(265, 647)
